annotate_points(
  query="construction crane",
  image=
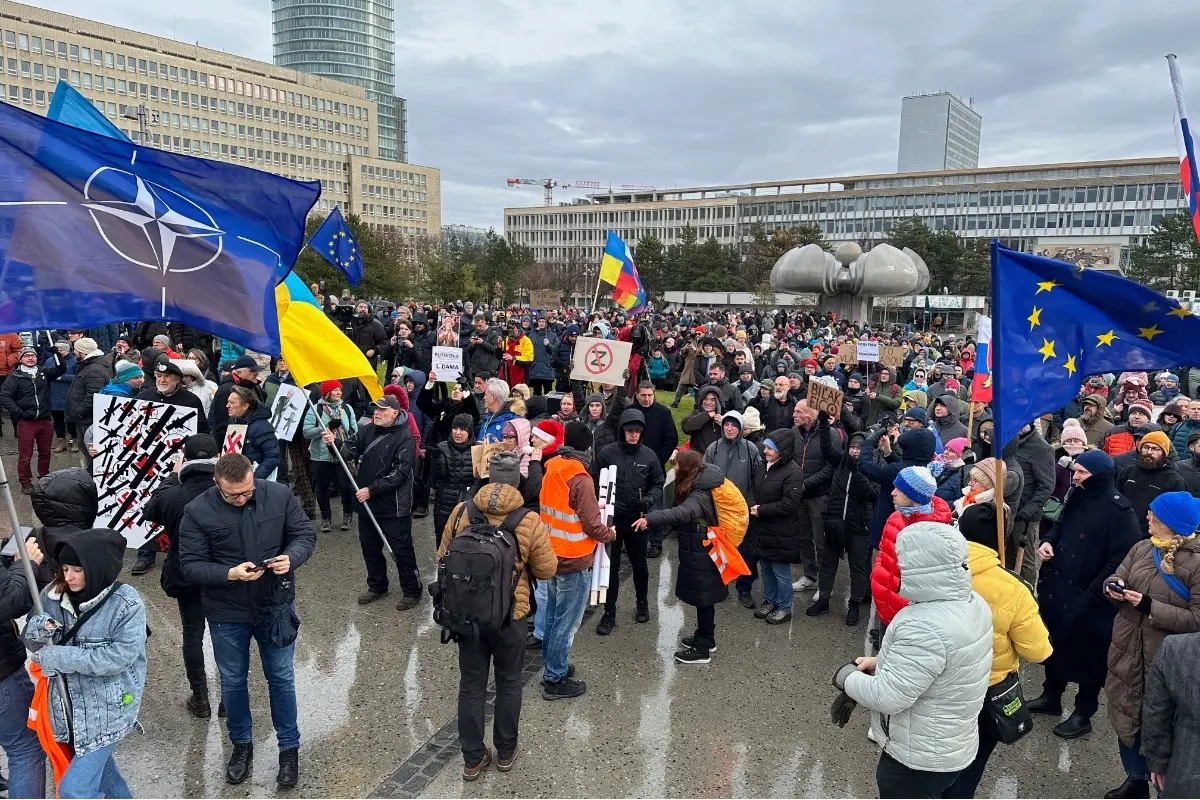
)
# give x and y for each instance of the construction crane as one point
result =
(548, 185)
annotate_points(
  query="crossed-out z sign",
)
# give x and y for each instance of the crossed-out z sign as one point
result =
(600, 360)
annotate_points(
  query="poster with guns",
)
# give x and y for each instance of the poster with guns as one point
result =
(600, 563)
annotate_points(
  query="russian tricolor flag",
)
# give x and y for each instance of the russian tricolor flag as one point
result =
(981, 383)
(1187, 148)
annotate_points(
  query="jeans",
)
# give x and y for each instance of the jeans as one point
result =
(566, 598)
(1133, 761)
(26, 761)
(231, 649)
(749, 554)
(811, 517)
(634, 544)
(506, 649)
(705, 637)
(30, 432)
(399, 536)
(540, 592)
(777, 583)
(896, 780)
(191, 615)
(967, 782)
(94, 774)
(326, 473)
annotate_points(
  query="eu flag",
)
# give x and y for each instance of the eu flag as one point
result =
(337, 246)
(95, 230)
(1054, 323)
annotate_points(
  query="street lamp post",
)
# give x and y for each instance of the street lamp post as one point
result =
(142, 116)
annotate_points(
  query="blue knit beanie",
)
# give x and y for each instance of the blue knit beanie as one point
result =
(917, 484)
(1096, 462)
(1179, 511)
(917, 413)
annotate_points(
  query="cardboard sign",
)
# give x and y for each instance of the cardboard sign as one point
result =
(892, 356)
(867, 351)
(447, 363)
(847, 353)
(481, 454)
(822, 397)
(600, 360)
(545, 299)
(288, 411)
(235, 439)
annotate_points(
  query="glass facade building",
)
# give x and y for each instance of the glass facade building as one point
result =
(352, 41)
(938, 131)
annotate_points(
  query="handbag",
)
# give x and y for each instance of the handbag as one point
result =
(1006, 706)
(1053, 509)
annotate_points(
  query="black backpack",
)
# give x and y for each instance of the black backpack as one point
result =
(476, 578)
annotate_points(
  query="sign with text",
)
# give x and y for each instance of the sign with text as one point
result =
(823, 397)
(600, 360)
(481, 454)
(545, 299)
(447, 363)
(892, 356)
(847, 353)
(867, 351)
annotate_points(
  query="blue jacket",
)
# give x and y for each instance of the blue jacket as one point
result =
(261, 446)
(105, 337)
(62, 384)
(491, 426)
(105, 667)
(317, 449)
(659, 368)
(542, 368)
(917, 448)
(117, 390)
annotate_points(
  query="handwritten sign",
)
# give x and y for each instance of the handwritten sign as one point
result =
(481, 454)
(892, 356)
(545, 299)
(447, 363)
(847, 353)
(823, 397)
(600, 360)
(867, 351)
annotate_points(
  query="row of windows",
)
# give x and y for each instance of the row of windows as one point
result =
(391, 174)
(373, 210)
(617, 217)
(392, 193)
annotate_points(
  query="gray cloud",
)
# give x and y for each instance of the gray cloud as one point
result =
(675, 93)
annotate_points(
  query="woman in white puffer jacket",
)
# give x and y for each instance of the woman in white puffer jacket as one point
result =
(929, 680)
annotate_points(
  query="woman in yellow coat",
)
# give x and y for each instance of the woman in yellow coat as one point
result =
(1017, 629)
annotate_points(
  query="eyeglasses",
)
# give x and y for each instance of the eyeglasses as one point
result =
(510, 438)
(230, 497)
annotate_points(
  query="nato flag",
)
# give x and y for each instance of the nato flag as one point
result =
(337, 246)
(96, 230)
(1055, 323)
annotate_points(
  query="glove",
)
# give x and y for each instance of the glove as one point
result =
(645, 504)
(839, 677)
(840, 710)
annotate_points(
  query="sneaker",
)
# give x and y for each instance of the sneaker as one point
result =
(368, 597)
(779, 616)
(563, 690)
(643, 612)
(693, 656)
(407, 602)
(653, 550)
(532, 642)
(817, 609)
(606, 624)
(471, 773)
(852, 613)
(198, 706)
(804, 583)
(505, 763)
(326, 525)
(347, 521)
(766, 608)
(746, 600)
(690, 642)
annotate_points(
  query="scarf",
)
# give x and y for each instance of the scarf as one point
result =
(30, 371)
(908, 511)
(1168, 547)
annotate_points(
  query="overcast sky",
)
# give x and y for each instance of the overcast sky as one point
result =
(674, 93)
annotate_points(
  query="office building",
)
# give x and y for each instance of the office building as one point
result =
(1089, 212)
(352, 41)
(216, 105)
(938, 131)
(469, 234)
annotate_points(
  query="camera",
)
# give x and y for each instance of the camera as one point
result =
(334, 424)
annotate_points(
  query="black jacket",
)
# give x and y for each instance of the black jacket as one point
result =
(65, 502)
(660, 434)
(698, 581)
(1036, 458)
(261, 445)
(183, 398)
(215, 536)
(28, 397)
(1189, 470)
(485, 356)
(367, 333)
(90, 377)
(815, 469)
(15, 602)
(776, 414)
(777, 492)
(702, 429)
(219, 412)
(916, 450)
(851, 495)
(386, 459)
(452, 475)
(640, 476)
(166, 506)
(1140, 486)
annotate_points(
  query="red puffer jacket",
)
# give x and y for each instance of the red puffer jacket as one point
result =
(885, 575)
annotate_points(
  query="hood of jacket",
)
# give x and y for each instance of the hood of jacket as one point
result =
(708, 389)
(498, 499)
(631, 416)
(66, 498)
(709, 478)
(919, 398)
(932, 557)
(201, 469)
(570, 452)
(99, 551)
(785, 443)
(916, 445)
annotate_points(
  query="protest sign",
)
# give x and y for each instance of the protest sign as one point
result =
(867, 351)
(288, 411)
(235, 439)
(847, 353)
(823, 397)
(481, 454)
(447, 363)
(892, 356)
(545, 299)
(600, 360)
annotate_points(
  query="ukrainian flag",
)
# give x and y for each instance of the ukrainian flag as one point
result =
(618, 270)
(314, 348)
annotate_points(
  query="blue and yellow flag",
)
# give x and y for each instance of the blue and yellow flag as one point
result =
(336, 245)
(1055, 323)
(314, 348)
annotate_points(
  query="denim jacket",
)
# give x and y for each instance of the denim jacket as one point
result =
(104, 667)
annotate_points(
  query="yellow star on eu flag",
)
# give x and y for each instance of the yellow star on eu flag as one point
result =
(1047, 350)
(1070, 365)
(1179, 311)
(1045, 286)
(1035, 318)
(1106, 338)
(1149, 333)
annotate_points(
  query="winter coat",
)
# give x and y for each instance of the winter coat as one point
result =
(166, 506)
(698, 581)
(1017, 628)
(778, 489)
(778, 414)
(367, 333)
(15, 602)
(738, 460)
(231, 351)
(1190, 472)
(452, 475)
(1094, 533)
(60, 386)
(948, 427)
(917, 448)
(545, 345)
(10, 348)
(90, 377)
(27, 397)
(1136, 637)
(214, 536)
(659, 368)
(935, 658)
(534, 552)
(185, 399)
(640, 476)
(1036, 458)
(660, 434)
(687, 369)
(700, 366)
(851, 495)
(703, 429)
(815, 470)
(491, 426)
(387, 457)
(219, 410)
(317, 449)
(885, 573)
(1141, 486)
(887, 401)
(485, 356)
(1171, 716)
(1179, 434)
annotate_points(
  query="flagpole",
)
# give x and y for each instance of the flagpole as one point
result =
(349, 474)
(970, 421)
(596, 297)
(996, 371)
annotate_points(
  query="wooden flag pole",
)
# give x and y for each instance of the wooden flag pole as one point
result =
(596, 296)
(970, 422)
(999, 499)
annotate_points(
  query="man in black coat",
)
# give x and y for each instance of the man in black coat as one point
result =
(1189, 468)
(241, 542)
(368, 334)
(387, 454)
(25, 395)
(1153, 474)
(1036, 458)
(817, 473)
(639, 488)
(91, 375)
(484, 347)
(662, 437)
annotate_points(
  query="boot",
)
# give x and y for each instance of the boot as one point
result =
(60, 446)
(347, 520)
(653, 550)
(818, 608)
(1130, 788)
(1044, 704)
(852, 613)
(74, 448)
(643, 612)
(143, 564)
(198, 705)
(289, 768)
(369, 597)
(607, 623)
(238, 768)
(1073, 726)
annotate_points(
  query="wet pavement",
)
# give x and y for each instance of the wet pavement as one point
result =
(377, 700)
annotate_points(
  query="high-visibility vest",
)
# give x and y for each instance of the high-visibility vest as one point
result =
(725, 555)
(566, 531)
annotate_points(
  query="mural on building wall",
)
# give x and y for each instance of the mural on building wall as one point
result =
(1104, 256)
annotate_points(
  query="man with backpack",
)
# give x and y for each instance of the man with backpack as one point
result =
(490, 540)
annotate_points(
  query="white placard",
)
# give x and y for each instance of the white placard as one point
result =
(447, 363)
(137, 443)
(867, 351)
(288, 411)
(600, 360)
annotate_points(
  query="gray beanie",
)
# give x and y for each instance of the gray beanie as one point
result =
(505, 468)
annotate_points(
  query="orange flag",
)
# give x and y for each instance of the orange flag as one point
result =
(725, 555)
(39, 720)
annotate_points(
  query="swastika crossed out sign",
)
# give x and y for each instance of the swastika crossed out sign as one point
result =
(600, 360)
